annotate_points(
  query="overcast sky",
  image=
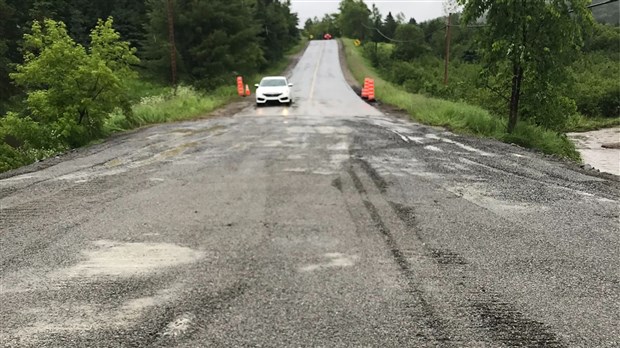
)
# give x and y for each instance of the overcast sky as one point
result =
(421, 10)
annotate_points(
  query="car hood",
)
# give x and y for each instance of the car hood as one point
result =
(277, 89)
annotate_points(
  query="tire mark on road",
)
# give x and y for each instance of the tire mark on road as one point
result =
(430, 316)
(506, 324)
(510, 327)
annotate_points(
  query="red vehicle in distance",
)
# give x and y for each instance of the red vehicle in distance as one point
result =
(327, 36)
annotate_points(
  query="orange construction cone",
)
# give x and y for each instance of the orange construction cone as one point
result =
(371, 89)
(240, 86)
(247, 91)
(365, 88)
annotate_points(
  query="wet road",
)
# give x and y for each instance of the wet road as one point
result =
(326, 224)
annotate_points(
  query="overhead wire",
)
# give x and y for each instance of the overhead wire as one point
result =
(426, 37)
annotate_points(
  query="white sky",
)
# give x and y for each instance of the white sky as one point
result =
(421, 10)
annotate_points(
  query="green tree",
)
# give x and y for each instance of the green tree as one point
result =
(527, 47)
(71, 90)
(377, 24)
(278, 28)
(328, 24)
(78, 15)
(409, 42)
(215, 40)
(6, 13)
(354, 19)
(390, 25)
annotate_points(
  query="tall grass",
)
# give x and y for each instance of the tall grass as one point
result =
(580, 123)
(457, 116)
(159, 104)
(168, 106)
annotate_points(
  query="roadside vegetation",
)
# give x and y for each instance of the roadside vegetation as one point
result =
(459, 117)
(155, 103)
(74, 72)
(559, 74)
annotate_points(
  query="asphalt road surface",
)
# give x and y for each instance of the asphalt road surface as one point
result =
(323, 224)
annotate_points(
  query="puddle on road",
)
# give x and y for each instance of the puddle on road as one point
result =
(108, 260)
(481, 197)
(70, 317)
(128, 259)
(336, 260)
(433, 148)
(589, 145)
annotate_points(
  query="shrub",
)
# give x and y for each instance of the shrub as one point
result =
(24, 141)
(70, 90)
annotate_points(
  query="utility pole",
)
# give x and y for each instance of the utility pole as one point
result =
(445, 73)
(173, 49)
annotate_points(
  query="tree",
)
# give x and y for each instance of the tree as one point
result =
(328, 24)
(389, 28)
(78, 15)
(71, 90)
(409, 42)
(279, 28)
(215, 40)
(527, 48)
(377, 23)
(354, 19)
(6, 27)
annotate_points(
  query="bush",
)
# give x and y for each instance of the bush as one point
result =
(595, 89)
(24, 141)
(70, 90)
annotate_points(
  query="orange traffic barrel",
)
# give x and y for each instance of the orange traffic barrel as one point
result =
(240, 86)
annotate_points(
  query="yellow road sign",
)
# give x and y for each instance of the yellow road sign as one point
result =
(357, 43)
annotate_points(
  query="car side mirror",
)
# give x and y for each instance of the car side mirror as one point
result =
(290, 85)
(256, 85)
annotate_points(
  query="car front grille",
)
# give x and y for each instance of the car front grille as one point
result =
(272, 94)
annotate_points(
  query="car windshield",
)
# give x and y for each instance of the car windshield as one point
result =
(273, 82)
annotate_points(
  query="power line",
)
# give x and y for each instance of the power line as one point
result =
(602, 3)
(385, 36)
(403, 41)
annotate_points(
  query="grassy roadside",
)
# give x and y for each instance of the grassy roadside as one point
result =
(159, 104)
(580, 123)
(458, 117)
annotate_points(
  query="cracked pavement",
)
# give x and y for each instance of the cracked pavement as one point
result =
(325, 224)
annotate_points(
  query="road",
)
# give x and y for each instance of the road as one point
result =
(326, 224)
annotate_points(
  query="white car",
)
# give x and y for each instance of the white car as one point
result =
(274, 89)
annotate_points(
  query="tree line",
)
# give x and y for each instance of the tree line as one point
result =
(544, 62)
(214, 38)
